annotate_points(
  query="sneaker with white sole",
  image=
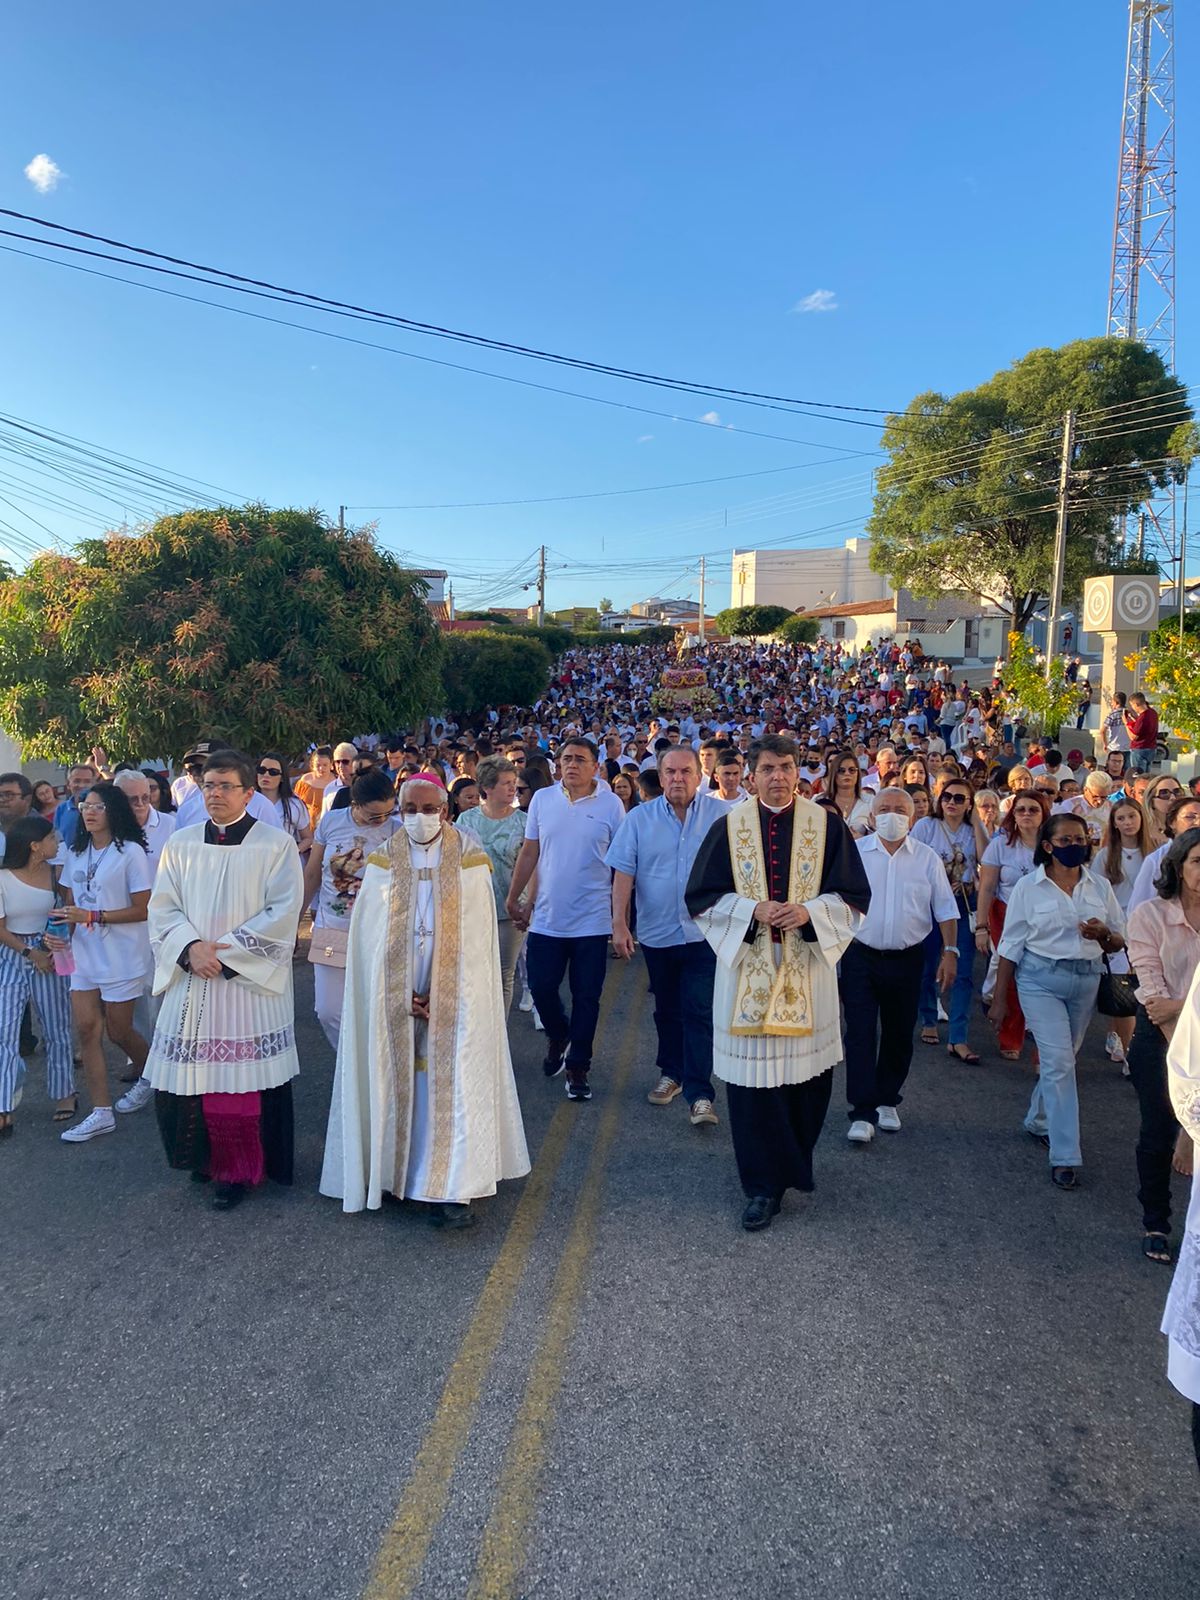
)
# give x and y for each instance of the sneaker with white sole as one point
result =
(860, 1132)
(889, 1119)
(703, 1115)
(538, 1025)
(664, 1091)
(526, 1001)
(135, 1097)
(99, 1121)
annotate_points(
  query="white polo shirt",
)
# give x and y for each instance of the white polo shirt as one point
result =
(574, 882)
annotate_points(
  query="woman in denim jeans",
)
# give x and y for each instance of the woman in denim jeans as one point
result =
(950, 833)
(1061, 920)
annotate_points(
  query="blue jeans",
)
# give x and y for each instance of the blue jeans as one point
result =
(964, 982)
(681, 976)
(1058, 998)
(547, 961)
(1139, 760)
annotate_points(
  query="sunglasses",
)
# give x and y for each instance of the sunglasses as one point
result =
(271, 772)
(955, 799)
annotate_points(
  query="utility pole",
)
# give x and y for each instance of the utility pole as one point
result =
(701, 599)
(341, 519)
(1183, 562)
(541, 622)
(1060, 540)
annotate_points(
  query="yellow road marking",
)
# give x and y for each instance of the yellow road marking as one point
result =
(406, 1543)
(502, 1555)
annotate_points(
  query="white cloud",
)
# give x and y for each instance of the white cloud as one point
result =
(43, 174)
(645, 438)
(713, 418)
(818, 300)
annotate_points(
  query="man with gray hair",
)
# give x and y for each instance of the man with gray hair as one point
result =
(880, 978)
(652, 856)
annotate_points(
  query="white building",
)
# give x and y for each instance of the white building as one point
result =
(801, 579)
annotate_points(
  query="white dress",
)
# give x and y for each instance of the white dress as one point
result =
(226, 1035)
(1181, 1319)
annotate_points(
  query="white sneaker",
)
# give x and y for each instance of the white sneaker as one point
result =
(93, 1125)
(526, 1001)
(538, 1024)
(135, 1097)
(860, 1133)
(889, 1119)
(943, 1015)
(1115, 1049)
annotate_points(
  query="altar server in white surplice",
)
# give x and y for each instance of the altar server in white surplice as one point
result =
(223, 918)
(778, 890)
(424, 1100)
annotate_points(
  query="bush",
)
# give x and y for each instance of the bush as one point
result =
(799, 630)
(493, 669)
(750, 622)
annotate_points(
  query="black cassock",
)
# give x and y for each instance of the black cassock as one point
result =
(775, 1130)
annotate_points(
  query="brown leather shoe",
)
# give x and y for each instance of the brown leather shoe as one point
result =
(664, 1091)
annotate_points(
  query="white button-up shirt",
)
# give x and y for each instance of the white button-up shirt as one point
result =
(909, 893)
(1043, 920)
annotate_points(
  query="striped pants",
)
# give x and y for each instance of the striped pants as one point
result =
(21, 982)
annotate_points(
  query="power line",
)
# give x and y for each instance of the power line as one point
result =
(242, 283)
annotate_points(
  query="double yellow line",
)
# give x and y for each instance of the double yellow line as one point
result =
(406, 1543)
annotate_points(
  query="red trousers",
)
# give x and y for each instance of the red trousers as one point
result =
(1012, 1033)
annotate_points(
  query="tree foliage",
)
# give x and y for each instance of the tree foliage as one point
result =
(268, 628)
(493, 669)
(1046, 702)
(1171, 673)
(750, 622)
(967, 501)
(799, 630)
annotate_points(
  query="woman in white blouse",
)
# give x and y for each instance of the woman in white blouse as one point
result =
(845, 790)
(1181, 1319)
(1007, 860)
(1125, 845)
(1061, 921)
(1164, 946)
(27, 897)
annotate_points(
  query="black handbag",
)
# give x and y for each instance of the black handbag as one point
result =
(1117, 994)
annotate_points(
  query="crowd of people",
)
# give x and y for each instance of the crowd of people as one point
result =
(817, 823)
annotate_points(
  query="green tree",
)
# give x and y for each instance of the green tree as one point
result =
(750, 622)
(799, 630)
(1046, 702)
(967, 500)
(268, 628)
(493, 669)
(605, 606)
(497, 619)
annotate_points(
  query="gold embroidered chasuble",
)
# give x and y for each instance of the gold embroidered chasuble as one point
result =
(423, 1109)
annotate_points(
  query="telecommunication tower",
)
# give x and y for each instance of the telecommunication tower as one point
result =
(1141, 295)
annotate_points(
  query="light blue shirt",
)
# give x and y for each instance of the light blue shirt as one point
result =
(574, 886)
(658, 851)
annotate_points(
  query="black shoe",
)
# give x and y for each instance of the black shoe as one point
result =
(27, 1045)
(759, 1211)
(455, 1216)
(1064, 1177)
(578, 1087)
(228, 1195)
(556, 1050)
(201, 1177)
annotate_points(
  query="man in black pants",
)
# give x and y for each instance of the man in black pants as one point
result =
(880, 979)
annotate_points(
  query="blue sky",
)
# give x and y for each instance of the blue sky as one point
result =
(654, 185)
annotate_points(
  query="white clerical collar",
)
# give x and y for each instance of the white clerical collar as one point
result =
(224, 827)
(775, 810)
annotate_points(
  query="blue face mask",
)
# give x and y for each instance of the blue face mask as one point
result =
(1071, 855)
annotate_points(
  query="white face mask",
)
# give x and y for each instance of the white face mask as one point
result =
(421, 827)
(891, 825)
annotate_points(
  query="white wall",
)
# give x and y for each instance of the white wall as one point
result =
(806, 578)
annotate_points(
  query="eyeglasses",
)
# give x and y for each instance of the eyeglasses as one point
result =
(955, 799)
(377, 820)
(1167, 794)
(271, 772)
(344, 761)
(220, 788)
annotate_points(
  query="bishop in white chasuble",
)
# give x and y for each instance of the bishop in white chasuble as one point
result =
(424, 1100)
(776, 1018)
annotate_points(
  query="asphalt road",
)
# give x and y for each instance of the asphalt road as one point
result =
(936, 1377)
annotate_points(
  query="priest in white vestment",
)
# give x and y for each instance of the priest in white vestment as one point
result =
(222, 925)
(778, 889)
(424, 1101)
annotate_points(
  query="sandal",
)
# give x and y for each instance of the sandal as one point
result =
(930, 1036)
(969, 1060)
(1157, 1247)
(65, 1113)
